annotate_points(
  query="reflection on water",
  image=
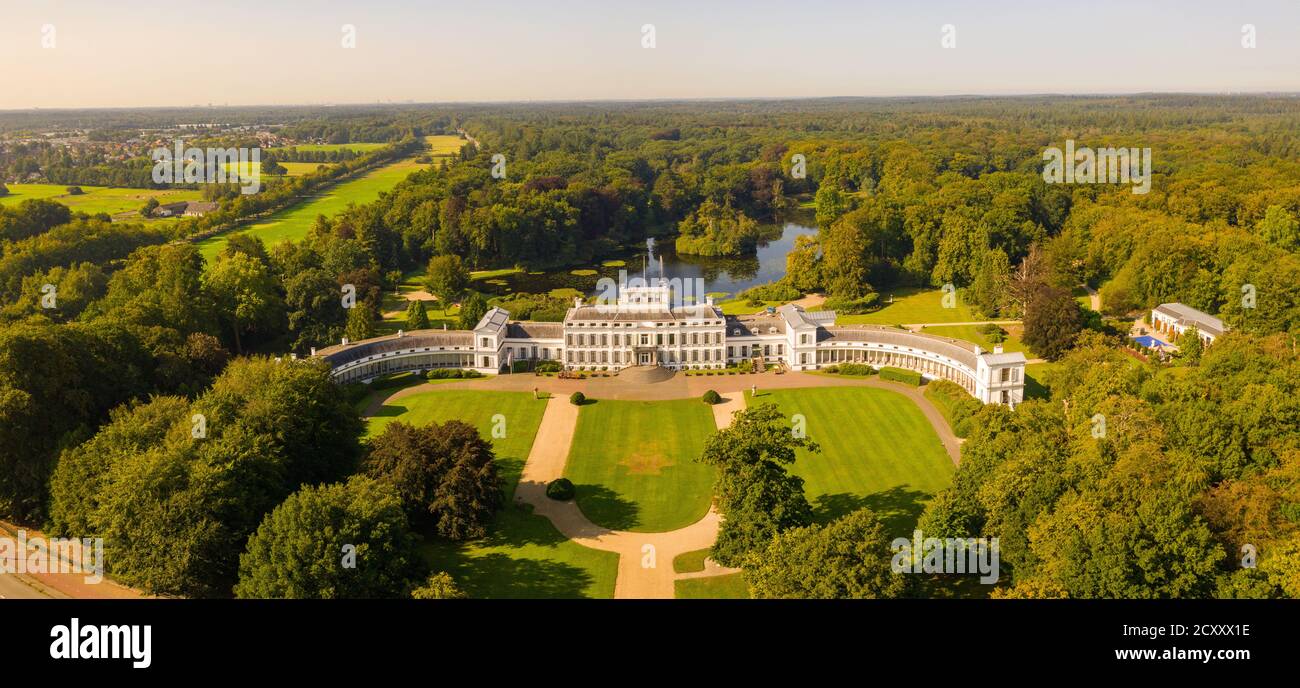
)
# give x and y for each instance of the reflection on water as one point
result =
(727, 276)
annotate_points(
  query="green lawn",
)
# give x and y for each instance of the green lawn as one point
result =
(911, 306)
(972, 334)
(878, 451)
(99, 199)
(292, 223)
(634, 463)
(1037, 379)
(690, 562)
(523, 555)
(729, 587)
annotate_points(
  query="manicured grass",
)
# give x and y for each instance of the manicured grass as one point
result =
(1037, 379)
(972, 334)
(729, 587)
(913, 306)
(523, 556)
(878, 451)
(292, 223)
(99, 199)
(690, 562)
(634, 463)
(742, 307)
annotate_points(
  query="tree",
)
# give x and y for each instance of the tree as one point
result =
(340, 541)
(803, 266)
(1190, 346)
(149, 206)
(360, 323)
(314, 307)
(1052, 322)
(988, 291)
(757, 496)
(444, 474)
(200, 476)
(472, 310)
(849, 558)
(447, 277)
(439, 586)
(416, 317)
(246, 295)
(1280, 228)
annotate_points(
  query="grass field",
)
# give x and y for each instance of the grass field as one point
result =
(634, 463)
(98, 199)
(292, 169)
(878, 451)
(912, 306)
(292, 223)
(972, 334)
(729, 587)
(315, 147)
(523, 555)
(444, 144)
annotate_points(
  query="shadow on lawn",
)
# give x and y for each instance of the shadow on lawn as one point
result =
(389, 410)
(502, 575)
(898, 508)
(607, 508)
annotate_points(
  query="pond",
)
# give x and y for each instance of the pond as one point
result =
(723, 276)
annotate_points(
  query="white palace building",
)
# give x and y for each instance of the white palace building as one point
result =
(643, 328)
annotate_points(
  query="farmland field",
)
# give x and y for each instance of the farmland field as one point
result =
(99, 199)
(292, 223)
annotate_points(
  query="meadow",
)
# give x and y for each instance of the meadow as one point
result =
(913, 306)
(292, 223)
(124, 202)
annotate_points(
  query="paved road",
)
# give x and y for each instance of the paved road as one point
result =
(14, 588)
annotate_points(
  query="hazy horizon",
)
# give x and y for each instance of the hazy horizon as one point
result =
(243, 53)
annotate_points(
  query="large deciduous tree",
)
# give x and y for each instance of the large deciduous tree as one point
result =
(445, 475)
(340, 541)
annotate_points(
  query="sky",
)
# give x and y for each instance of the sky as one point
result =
(134, 53)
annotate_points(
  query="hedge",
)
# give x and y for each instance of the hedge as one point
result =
(900, 375)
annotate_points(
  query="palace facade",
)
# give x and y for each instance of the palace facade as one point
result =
(644, 328)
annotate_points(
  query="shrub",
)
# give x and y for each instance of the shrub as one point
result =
(548, 367)
(577, 399)
(560, 489)
(955, 404)
(711, 397)
(745, 366)
(779, 290)
(900, 375)
(861, 369)
(451, 374)
(864, 304)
